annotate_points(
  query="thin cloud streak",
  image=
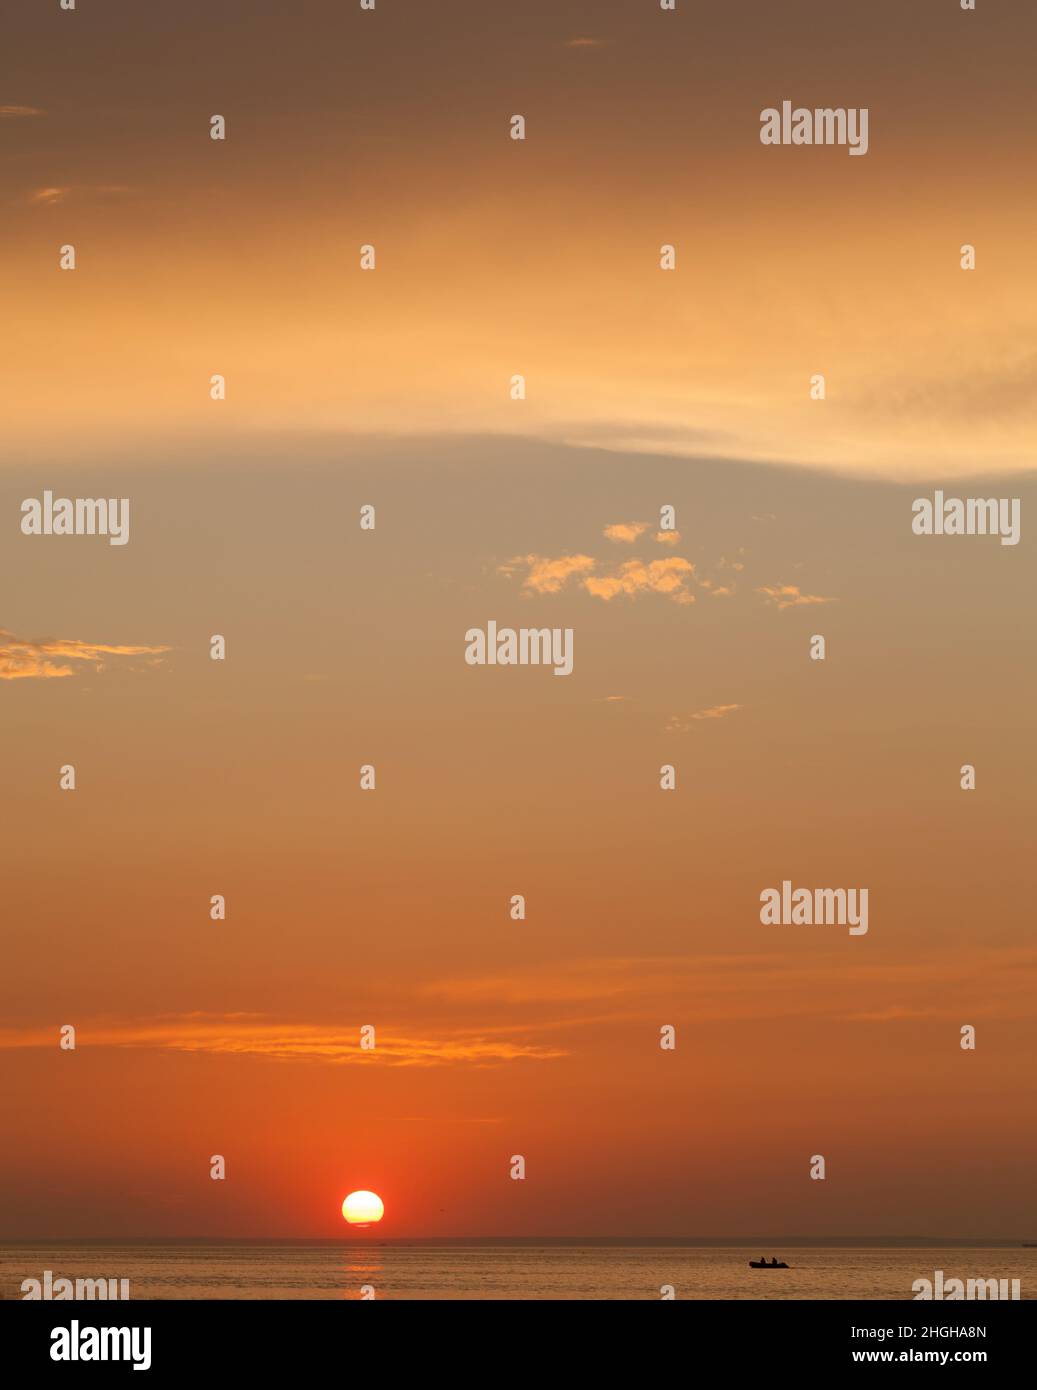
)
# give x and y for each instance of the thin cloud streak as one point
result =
(681, 723)
(248, 1035)
(733, 988)
(26, 658)
(789, 596)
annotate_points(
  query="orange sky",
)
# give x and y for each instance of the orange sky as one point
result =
(542, 257)
(645, 389)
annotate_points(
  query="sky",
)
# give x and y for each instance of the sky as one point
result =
(495, 256)
(345, 647)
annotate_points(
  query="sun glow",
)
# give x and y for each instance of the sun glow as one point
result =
(363, 1208)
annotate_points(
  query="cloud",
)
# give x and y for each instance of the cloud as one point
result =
(668, 577)
(642, 436)
(763, 985)
(634, 577)
(24, 658)
(257, 1035)
(547, 576)
(587, 43)
(625, 532)
(16, 112)
(50, 197)
(681, 723)
(789, 596)
(540, 1009)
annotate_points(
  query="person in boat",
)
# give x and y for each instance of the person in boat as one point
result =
(774, 1261)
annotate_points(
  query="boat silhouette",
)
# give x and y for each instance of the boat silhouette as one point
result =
(766, 1264)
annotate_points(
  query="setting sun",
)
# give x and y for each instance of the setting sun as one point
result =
(363, 1208)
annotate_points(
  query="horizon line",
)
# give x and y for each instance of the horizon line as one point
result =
(706, 1241)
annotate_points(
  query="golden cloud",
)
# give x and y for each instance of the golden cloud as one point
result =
(789, 596)
(547, 576)
(625, 532)
(23, 658)
(667, 577)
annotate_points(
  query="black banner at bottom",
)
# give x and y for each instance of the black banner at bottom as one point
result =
(754, 1339)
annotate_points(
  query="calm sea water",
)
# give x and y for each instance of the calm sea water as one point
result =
(333, 1271)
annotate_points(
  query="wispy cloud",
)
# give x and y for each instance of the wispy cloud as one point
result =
(19, 112)
(49, 658)
(256, 1035)
(681, 723)
(540, 1009)
(775, 984)
(789, 596)
(52, 195)
(546, 576)
(48, 197)
(627, 532)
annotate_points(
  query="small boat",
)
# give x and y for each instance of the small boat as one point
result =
(764, 1264)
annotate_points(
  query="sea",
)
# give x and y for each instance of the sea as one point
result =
(485, 1270)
